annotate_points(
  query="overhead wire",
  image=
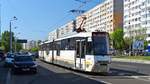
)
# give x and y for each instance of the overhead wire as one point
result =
(59, 22)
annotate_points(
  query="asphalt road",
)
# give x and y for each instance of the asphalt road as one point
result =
(134, 67)
(3, 72)
(50, 74)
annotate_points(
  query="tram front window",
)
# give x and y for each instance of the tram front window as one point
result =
(100, 45)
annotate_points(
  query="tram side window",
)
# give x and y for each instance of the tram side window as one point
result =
(44, 46)
(83, 47)
(89, 50)
(72, 44)
(54, 46)
(40, 47)
(63, 44)
(67, 44)
(58, 48)
(50, 46)
(47, 47)
(77, 49)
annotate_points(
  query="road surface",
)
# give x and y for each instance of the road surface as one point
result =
(50, 74)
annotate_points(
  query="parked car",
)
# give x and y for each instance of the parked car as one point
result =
(34, 54)
(24, 63)
(9, 59)
(112, 51)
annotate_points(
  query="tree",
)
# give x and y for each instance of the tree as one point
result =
(35, 49)
(6, 40)
(128, 42)
(18, 47)
(145, 44)
(117, 38)
(5, 44)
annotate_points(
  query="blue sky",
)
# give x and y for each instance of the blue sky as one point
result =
(38, 17)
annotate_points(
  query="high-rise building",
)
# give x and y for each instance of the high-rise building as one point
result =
(30, 44)
(62, 31)
(136, 17)
(146, 17)
(106, 16)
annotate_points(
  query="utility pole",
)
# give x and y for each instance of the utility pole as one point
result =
(0, 25)
(10, 24)
(10, 37)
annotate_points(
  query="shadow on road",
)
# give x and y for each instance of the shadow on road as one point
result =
(113, 72)
(3, 73)
(48, 74)
(64, 77)
(120, 72)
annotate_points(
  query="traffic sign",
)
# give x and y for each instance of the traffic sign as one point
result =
(21, 41)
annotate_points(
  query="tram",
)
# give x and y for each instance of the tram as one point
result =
(85, 51)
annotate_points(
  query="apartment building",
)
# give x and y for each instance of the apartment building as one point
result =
(52, 35)
(136, 17)
(30, 44)
(146, 17)
(62, 31)
(106, 16)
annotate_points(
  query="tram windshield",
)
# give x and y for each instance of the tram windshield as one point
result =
(100, 44)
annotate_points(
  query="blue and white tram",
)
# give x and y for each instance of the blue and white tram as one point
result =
(83, 51)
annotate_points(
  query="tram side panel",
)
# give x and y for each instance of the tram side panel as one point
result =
(66, 58)
(102, 63)
(80, 65)
(40, 54)
(97, 63)
(46, 56)
(50, 56)
(89, 62)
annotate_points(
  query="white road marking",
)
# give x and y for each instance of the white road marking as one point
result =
(91, 78)
(8, 77)
(140, 78)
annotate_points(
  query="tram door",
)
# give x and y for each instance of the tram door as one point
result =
(80, 53)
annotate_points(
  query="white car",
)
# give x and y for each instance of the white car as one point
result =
(9, 59)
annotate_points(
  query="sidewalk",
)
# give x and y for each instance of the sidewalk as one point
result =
(131, 60)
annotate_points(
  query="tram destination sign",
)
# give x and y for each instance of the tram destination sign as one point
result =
(99, 34)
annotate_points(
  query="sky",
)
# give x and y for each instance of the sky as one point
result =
(36, 18)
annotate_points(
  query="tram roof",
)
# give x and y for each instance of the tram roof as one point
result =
(82, 34)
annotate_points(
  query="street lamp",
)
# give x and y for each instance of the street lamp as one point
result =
(14, 18)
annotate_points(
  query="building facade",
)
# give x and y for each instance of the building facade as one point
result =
(146, 17)
(136, 17)
(30, 44)
(62, 31)
(106, 16)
